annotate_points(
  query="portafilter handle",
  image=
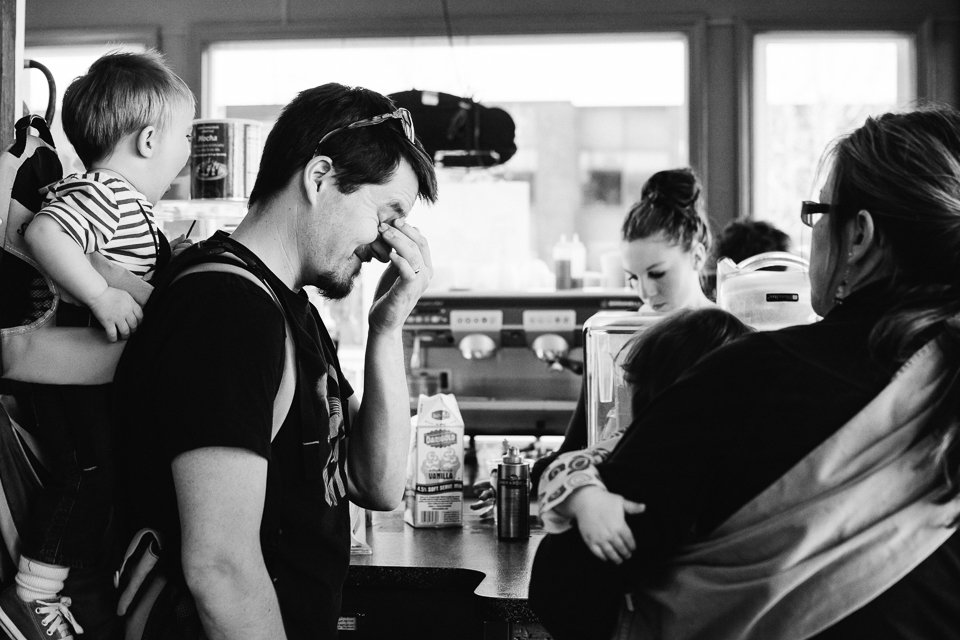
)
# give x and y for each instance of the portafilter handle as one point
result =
(552, 349)
(550, 346)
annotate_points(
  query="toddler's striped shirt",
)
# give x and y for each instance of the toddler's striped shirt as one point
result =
(105, 214)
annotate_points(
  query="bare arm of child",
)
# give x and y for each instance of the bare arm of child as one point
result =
(572, 493)
(600, 517)
(565, 474)
(65, 262)
(120, 278)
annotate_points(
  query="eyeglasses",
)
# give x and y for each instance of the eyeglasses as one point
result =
(810, 211)
(401, 114)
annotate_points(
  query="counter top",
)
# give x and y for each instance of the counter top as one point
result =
(468, 558)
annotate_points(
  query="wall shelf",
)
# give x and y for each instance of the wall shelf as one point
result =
(174, 210)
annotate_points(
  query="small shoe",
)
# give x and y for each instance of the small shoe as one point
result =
(38, 620)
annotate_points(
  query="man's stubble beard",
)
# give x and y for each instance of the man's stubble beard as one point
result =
(334, 287)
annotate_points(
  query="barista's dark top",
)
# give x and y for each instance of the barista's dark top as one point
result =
(734, 424)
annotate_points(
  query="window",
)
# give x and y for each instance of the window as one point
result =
(595, 116)
(810, 88)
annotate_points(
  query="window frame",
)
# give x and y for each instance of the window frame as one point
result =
(692, 26)
(920, 31)
(148, 36)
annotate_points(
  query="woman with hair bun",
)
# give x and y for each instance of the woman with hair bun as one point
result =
(665, 242)
(804, 483)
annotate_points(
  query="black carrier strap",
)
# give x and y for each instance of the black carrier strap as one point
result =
(220, 248)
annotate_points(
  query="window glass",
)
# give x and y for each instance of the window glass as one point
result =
(595, 116)
(65, 64)
(809, 88)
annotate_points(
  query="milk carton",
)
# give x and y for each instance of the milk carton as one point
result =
(434, 495)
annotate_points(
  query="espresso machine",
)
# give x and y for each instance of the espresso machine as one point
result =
(514, 360)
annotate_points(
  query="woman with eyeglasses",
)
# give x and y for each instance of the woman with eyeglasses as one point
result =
(804, 483)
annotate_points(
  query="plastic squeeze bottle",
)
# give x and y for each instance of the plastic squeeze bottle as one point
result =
(562, 263)
(578, 262)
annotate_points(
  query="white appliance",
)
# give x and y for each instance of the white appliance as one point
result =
(764, 298)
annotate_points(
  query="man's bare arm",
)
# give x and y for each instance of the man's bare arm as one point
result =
(220, 494)
(381, 430)
(381, 434)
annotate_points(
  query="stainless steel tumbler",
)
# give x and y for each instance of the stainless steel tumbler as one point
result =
(513, 497)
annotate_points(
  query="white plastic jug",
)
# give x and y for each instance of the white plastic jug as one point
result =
(764, 299)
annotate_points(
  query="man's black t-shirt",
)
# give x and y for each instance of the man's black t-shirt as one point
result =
(203, 371)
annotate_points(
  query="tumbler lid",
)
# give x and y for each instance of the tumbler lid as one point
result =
(512, 456)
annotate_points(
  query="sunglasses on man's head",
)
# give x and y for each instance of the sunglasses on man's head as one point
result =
(810, 211)
(401, 114)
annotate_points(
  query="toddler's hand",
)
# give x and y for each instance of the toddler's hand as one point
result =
(179, 244)
(118, 312)
(600, 517)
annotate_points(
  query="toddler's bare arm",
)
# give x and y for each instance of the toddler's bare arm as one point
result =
(120, 278)
(65, 261)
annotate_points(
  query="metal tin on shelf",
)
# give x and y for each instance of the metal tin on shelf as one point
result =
(224, 156)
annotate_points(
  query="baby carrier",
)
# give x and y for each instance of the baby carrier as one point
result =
(32, 347)
(28, 297)
(28, 302)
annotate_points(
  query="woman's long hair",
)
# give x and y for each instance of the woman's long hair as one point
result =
(904, 169)
(670, 204)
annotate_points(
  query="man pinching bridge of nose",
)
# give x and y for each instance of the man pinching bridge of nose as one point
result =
(256, 524)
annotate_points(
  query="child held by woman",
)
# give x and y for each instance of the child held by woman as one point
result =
(655, 359)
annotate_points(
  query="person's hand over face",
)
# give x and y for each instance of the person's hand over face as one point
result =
(405, 279)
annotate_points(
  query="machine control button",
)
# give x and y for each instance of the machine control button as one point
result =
(549, 320)
(487, 320)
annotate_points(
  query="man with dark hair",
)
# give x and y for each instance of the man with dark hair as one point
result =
(255, 522)
(742, 239)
